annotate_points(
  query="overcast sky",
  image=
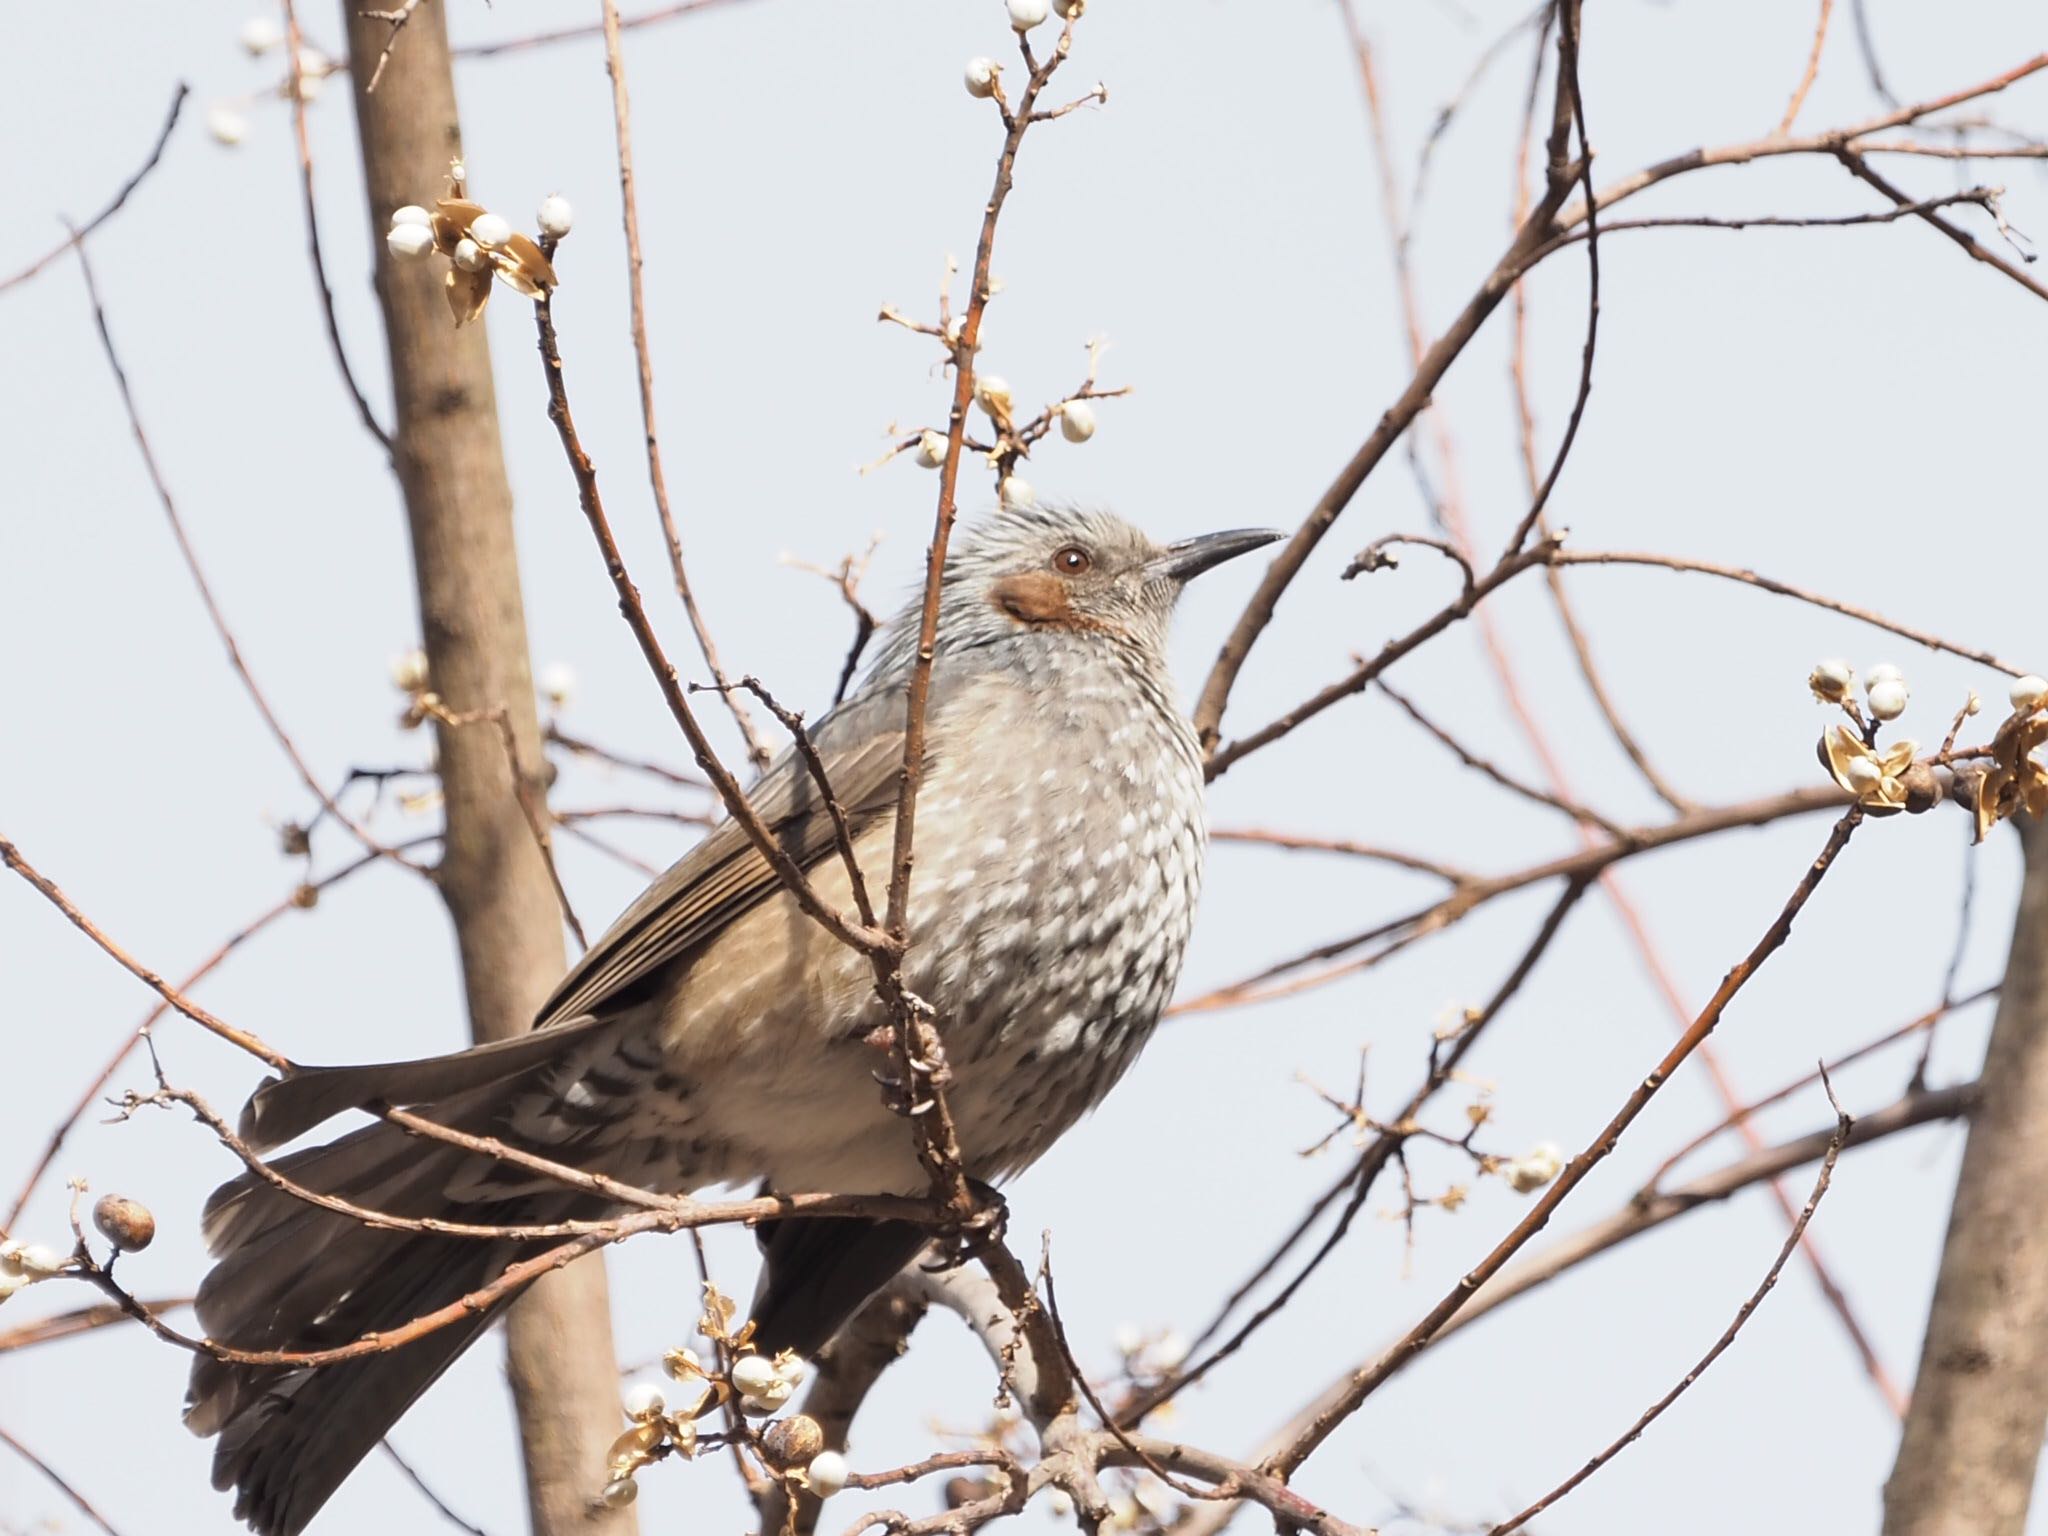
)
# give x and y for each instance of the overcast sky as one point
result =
(1857, 410)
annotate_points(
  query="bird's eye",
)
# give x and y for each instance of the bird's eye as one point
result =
(1072, 561)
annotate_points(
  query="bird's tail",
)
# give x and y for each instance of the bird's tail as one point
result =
(296, 1277)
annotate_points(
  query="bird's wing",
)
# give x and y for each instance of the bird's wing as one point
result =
(861, 746)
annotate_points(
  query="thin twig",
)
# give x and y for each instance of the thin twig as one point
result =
(294, 87)
(1499, 775)
(1820, 37)
(156, 153)
(297, 900)
(531, 804)
(1307, 843)
(635, 613)
(411, 1473)
(556, 736)
(622, 124)
(69, 1325)
(396, 20)
(1720, 1345)
(591, 29)
(1750, 578)
(1368, 1380)
(1372, 1161)
(78, 1500)
(214, 615)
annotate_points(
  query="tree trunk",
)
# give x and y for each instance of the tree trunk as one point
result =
(1973, 1435)
(450, 464)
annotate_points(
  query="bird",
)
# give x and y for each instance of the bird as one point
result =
(717, 1035)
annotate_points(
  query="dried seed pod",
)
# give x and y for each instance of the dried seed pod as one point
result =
(125, 1223)
(793, 1441)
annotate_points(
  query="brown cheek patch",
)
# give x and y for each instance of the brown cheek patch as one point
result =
(1034, 597)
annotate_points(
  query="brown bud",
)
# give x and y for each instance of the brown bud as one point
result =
(962, 1491)
(793, 1441)
(295, 840)
(125, 1223)
(306, 897)
(1966, 780)
(1923, 786)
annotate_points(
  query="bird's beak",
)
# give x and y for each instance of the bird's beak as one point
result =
(1190, 557)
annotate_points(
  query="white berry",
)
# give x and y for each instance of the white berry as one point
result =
(644, 1399)
(1836, 671)
(409, 242)
(1070, 10)
(992, 394)
(754, 1375)
(37, 1261)
(1884, 672)
(1863, 775)
(469, 255)
(10, 1283)
(1887, 698)
(791, 1368)
(2029, 693)
(1026, 14)
(1535, 1168)
(761, 1404)
(1077, 421)
(557, 682)
(555, 215)
(260, 34)
(412, 213)
(981, 76)
(826, 1474)
(489, 230)
(226, 125)
(931, 450)
(620, 1492)
(409, 671)
(1016, 492)
(313, 69)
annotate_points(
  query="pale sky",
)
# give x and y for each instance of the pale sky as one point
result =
(1848, 409)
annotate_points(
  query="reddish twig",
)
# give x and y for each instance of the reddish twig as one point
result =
(1820, 37)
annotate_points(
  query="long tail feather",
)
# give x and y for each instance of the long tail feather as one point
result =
(295, 1276)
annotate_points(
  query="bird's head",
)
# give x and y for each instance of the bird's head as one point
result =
(1062, 570)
